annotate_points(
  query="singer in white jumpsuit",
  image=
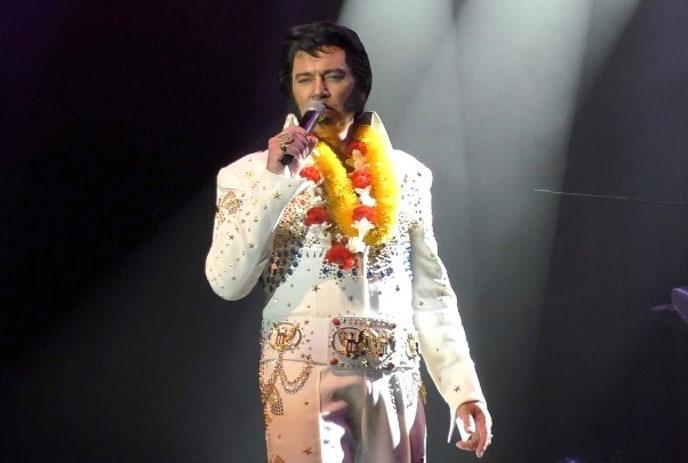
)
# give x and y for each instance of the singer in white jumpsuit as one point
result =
(341, 341)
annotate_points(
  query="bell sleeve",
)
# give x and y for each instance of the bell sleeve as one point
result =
(442, 337)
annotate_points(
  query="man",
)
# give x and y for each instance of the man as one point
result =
(342, 236)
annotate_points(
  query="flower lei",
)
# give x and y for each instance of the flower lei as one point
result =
(359, 208)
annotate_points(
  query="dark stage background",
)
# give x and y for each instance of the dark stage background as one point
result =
(115, 118)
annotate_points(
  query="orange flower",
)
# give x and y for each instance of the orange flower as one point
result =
(311, 173)
(360, 178)
(365, 212)
(316, 215)
(340, 255)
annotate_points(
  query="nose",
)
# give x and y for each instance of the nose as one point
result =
(320, 90)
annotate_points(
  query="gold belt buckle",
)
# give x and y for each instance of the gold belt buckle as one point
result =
(285, 336)
(374, 344)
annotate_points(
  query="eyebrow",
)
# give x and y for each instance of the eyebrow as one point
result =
(325, 72)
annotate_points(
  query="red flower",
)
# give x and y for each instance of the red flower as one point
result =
(360, 178)
(316, 215)
(311, 173)
(365, 212)
(357, 145)
(348, 263)
(339, 254)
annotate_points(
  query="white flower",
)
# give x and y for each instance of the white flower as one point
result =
(363, 226)
(364, 196)
(357, 160)
(356, 245)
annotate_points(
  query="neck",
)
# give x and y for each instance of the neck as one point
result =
(336, 133)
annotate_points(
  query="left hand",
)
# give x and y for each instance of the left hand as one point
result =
(472, 413)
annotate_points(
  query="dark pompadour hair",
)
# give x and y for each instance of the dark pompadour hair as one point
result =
(317, 36)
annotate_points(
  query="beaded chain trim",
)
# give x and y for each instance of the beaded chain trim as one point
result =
(285, 336)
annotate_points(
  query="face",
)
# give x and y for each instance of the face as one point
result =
(325, 77)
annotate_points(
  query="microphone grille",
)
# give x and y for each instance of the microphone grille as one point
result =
(315, 105)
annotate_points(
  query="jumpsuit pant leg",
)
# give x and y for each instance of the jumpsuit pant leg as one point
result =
(347, 416)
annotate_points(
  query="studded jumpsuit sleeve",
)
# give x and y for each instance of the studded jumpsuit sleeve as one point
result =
(250, 201)
(435, 312)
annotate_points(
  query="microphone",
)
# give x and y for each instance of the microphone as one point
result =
(313, 114)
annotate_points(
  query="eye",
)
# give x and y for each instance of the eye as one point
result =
(303, 80)
(335, 77)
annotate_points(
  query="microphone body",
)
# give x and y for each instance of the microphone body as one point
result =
(309, 119)
(311, 116)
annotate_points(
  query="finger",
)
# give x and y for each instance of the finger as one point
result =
(297, 148)
(300, 138)
(469, 445)
(484, 433)
(274, 144)
(292, 151)
(296, 130)
(464, 445)
(312, 142)
(482, 445)
(288, 135)
(468, 422)
(279, 139)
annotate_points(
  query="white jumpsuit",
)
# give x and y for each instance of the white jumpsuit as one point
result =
(318, 404)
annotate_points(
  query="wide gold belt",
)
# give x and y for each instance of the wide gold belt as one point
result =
(344, 342)
(340, 342)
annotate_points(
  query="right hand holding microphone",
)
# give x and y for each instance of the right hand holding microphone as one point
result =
(293, 141)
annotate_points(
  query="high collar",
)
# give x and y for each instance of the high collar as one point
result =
(368, 117)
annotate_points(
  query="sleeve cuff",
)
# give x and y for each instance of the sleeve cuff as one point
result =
(275, 191)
